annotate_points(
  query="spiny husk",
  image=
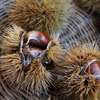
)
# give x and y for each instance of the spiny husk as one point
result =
(62, 18)
(23, 85)
(45, 15)
(35, 82)
(73, 86)
(17, 84)
(10, 40)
